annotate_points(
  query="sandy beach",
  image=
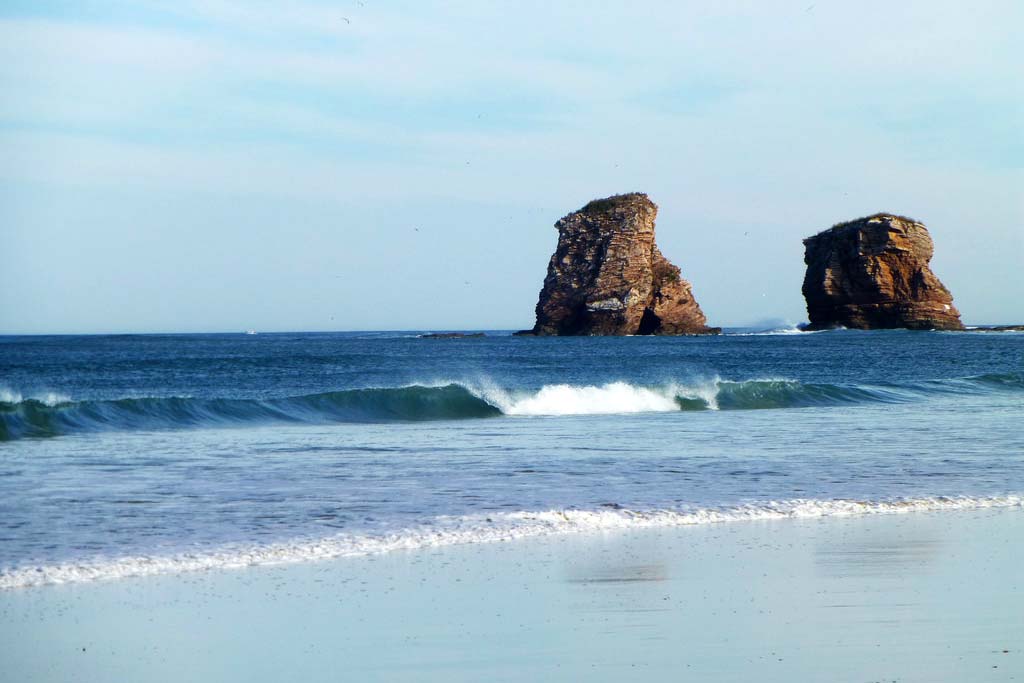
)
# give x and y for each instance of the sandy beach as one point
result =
(893, 597)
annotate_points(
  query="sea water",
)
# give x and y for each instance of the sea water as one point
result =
(132, 455)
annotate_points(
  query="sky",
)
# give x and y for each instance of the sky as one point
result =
(356, 165)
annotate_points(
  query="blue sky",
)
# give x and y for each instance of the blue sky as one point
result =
(202, 166)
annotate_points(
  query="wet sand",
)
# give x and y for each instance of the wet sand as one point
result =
(897, 597)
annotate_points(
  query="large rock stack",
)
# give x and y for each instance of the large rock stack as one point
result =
(607, 276)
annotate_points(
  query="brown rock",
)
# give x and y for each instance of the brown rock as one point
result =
(607, 277)
(873, 273)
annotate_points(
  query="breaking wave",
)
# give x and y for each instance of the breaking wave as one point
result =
(54, 415)
(784, 330)
(479, 528)
(35, 418)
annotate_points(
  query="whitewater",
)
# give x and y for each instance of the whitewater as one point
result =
(128, 456)
(446, 531)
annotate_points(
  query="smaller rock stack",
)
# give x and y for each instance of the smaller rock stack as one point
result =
(873, 273)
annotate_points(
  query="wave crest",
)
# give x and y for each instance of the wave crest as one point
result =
(53, 415)
(34, 418)
(565, 399)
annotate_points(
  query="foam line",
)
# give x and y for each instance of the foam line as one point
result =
(447, 531)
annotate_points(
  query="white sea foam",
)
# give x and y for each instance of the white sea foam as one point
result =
(606, 399)
(706, 391)
(775, 332)
(615, 397)
(9, 396)
(447, 531)
(50, 398)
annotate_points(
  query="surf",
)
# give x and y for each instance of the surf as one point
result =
(475, 528)
(52, 414)
(33, 417)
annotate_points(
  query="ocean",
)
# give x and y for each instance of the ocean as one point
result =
(134, 455)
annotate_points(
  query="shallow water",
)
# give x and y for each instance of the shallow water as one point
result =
(139, 454)
(916, 598)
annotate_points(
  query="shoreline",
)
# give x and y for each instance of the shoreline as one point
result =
(477, 529)
(923, 596)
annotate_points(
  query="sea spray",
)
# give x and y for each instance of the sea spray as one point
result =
(608, 399)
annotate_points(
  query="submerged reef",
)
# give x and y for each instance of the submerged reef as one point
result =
(607, 276)
(873, 273)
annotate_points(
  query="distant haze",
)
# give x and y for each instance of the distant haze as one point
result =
(220, 166)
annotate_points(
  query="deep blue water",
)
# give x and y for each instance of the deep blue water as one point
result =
(135, 453)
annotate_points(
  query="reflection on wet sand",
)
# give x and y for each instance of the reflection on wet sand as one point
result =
(866, 554)
(620, 574)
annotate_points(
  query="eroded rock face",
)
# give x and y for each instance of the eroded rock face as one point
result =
(873, 273)
(607, 277)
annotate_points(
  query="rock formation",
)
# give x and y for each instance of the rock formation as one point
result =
(873, 273)
(607, 276)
